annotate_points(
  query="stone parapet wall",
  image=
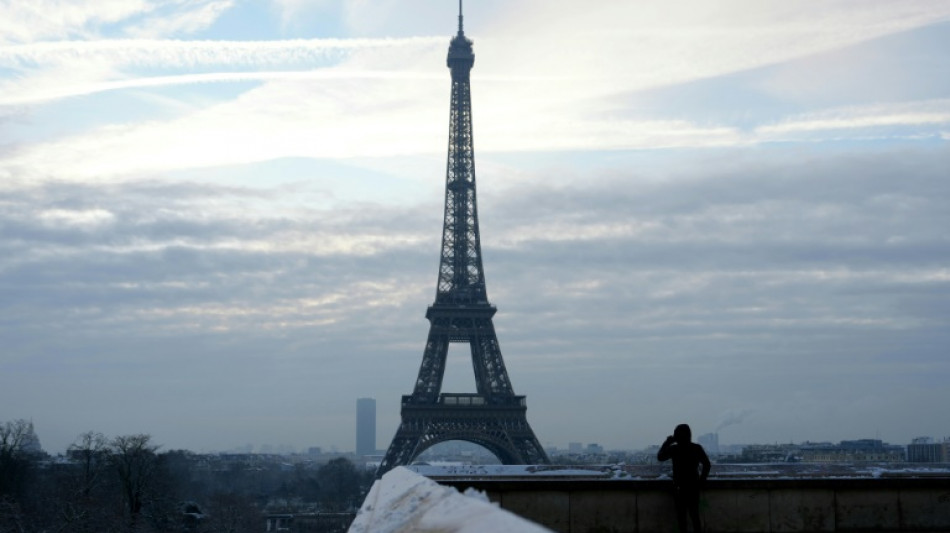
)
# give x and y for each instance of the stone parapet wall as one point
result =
(913, 504)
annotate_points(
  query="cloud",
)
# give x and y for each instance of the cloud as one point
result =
(572, 97)
(146, 260)
(92, 67)
(934, 113)
(317, 115)
(24, 22)
(645, 46)
(292, 11)
(806, 271)
(48, 20)
(188, 17)
(86, 218)
(280, 119)
(79, 89)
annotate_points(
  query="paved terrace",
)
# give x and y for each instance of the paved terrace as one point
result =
(738, 498)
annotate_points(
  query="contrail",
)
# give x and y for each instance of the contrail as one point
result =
(54, 93)
(179, 53)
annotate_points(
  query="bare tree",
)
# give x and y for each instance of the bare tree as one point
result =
(231, 512)
(15, 438)
(82, 506)
(14, 435)
(90, 452)
(135, 461)
(12, 518)
(18, 445)
(339, 485)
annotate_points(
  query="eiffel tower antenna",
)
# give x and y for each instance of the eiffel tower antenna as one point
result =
(493, 417)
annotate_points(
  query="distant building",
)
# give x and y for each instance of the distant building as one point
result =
(925, 450)
(595, 448)
(847, 451)
(280, 522)
(709, 442)
(872, 450)
(31, 443)
(770, 453)
(365, 426)
(575, 447)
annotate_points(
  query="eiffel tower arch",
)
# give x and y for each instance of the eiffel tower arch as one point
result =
(494, 416)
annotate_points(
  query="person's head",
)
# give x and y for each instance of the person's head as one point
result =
(682, 434)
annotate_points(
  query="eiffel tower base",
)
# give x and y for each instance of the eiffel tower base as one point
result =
(501, 428)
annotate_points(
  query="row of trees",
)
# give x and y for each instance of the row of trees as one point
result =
(125, 483)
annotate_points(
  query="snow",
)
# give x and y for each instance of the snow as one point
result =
(625, 472)
(515, 471)
(404, 502)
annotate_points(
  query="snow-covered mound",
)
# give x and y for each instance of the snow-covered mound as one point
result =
(403, 502)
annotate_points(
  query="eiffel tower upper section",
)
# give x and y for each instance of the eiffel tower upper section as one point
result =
(461, 276)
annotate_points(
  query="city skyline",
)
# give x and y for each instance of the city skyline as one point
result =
(221, 219)
(710, 441)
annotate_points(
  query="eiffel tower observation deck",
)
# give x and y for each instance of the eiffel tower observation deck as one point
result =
(494, 416)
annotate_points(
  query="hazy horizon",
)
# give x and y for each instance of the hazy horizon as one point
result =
(287, 449)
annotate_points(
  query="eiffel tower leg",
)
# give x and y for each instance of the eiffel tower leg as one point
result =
(490, 373)
(432, 369)
(403, 449)
(406, 444)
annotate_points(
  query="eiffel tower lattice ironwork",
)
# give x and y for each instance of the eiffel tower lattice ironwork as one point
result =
(493, 417)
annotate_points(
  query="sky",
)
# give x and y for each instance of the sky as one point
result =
(220, 219)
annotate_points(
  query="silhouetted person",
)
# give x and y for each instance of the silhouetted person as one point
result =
(687, 458)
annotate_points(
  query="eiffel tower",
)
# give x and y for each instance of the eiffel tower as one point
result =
(493, 417)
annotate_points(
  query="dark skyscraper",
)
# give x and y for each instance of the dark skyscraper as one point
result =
(365, 426)
(494, 417)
